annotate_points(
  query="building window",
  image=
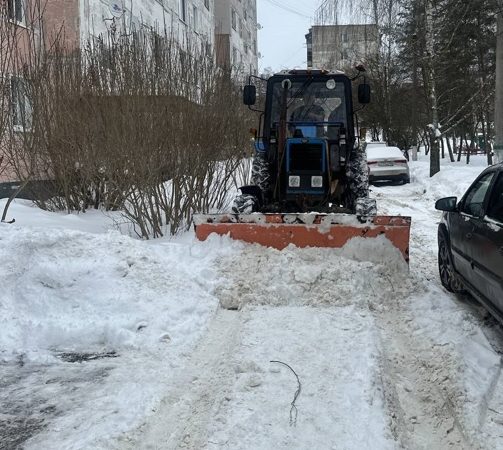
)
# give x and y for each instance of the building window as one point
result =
(344, 36)
(233, 19)
(207, 4)
(20, 104)
(15, 10)
(182, 10)
(195, 18)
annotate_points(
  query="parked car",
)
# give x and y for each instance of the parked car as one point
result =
(470, 240)
(387, 163)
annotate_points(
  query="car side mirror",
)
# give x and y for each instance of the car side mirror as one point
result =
(448, 204)
(249, 95)
(364, 93)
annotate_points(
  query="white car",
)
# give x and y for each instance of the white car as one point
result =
(387, 163)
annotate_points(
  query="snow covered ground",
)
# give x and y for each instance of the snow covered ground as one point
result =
(108, 342)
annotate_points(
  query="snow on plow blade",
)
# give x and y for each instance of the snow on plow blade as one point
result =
(305, 230)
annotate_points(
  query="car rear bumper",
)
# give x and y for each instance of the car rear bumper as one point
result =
(388, 173)
(389, 177)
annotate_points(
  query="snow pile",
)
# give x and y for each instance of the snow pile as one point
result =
(364, 270)
(73, 291)
(94, 325)
(452, 180)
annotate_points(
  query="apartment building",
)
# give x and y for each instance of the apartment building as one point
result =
(83, 19)
(236, 35)
(229, 27)
(340, 46)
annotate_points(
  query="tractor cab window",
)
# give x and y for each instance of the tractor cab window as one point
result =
(314, 108)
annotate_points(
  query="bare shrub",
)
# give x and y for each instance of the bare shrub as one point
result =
(134, 121)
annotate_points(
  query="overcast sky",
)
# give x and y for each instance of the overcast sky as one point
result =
(281, 41)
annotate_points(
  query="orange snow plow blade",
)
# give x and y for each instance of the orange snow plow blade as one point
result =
(305, 230)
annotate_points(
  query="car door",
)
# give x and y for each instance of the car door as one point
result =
(487, 247)
(462, 224)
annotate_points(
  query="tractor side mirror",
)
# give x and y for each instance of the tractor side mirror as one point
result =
(364, 93)
(448, 204)
(249, 95)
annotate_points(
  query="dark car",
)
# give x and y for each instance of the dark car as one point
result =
(470, 240)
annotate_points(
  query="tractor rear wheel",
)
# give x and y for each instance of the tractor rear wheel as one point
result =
(245, 204)
(260, 172)
(358, 177)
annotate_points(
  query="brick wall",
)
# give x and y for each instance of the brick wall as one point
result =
(62, 16)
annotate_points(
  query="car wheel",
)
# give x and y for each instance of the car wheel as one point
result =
(446, 271)
(406, 181)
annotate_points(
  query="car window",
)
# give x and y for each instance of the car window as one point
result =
(495, 207)
(474, 200)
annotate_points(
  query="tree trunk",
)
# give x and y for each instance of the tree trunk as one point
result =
(468, 150)
(434, 131)
(498, 106)
(485, 135)
(415, 84)
(449, 147)
(426, 143)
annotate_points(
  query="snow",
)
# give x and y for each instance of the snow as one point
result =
(384, 152)
(385, 356)
(257, 414)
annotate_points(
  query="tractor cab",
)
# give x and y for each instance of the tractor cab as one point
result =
(307, 137)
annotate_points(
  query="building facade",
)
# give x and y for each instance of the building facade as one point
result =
(226, 27)
(337, 47)
(236, 35)
(84, 19)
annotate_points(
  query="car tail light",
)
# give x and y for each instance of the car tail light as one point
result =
(371, 162)
(400, 161)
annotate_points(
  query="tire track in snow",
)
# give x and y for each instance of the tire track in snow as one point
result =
(181, 420)
(419, 389)
(426, 416)
(482, 430)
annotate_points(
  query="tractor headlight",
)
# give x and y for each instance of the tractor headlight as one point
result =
(294, 181)
(317, 181)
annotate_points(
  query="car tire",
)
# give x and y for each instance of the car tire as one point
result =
(448, 276)
(406, 180)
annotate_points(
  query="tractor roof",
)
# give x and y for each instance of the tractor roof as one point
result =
(310, 72)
